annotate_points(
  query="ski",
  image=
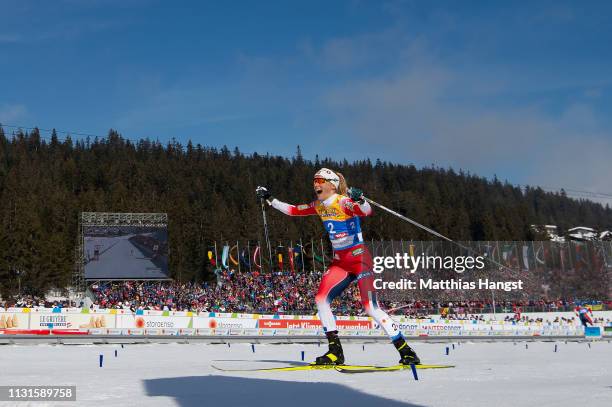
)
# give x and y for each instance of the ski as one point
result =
(393, 368)
(293, 368)
(339, 368)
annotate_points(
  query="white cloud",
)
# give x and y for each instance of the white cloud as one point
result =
(182, 104)
(10, 113)
(424, 111)
(357, 51)
(393, 94)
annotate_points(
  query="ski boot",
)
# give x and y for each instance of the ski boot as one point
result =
(407, 354)
(334, 355)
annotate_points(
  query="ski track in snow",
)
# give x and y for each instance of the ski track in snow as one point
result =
(486, 374)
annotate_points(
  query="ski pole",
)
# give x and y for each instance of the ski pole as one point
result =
(414, 222)
(265, 222)
(431, 231)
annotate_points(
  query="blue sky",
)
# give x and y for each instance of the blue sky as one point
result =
(518, 89)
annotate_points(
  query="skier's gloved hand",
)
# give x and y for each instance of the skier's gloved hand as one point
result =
(263, 193)
(356, 195)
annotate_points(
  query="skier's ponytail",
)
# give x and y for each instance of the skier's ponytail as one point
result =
(342, 186)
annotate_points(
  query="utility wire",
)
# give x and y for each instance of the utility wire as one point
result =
(49, 130)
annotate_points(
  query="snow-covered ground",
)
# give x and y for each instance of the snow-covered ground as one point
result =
(486, 374)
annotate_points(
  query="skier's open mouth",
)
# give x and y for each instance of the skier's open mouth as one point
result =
(318, 191)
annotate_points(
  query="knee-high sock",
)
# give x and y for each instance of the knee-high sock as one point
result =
(384, 320)
(370, 304)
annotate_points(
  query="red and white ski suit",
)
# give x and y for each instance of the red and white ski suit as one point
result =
(351, 262)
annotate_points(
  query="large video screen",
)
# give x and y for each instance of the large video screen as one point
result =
(125, 252)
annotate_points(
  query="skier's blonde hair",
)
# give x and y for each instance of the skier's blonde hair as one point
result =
(342, 186)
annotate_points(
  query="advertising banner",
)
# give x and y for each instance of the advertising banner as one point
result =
(65, 320)
(154, 321)
(224, 322)
(46, 321)
(312, 324)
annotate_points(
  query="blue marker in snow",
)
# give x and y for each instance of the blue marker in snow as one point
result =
(414, 372)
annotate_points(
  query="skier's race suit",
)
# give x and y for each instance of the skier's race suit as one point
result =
(352, 260)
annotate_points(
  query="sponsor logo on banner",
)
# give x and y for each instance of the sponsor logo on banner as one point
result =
(229, 323)
(153, 321)
(429, 327)
(132, 332)
(311, 324)
(58, 320)
(54, 321)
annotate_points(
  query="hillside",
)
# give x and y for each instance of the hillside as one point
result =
(209, 195)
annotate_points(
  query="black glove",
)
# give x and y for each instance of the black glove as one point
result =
(356, 195)
(263, 193)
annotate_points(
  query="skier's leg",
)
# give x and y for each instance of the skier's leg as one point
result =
(335, 280)
(365, 280)
(369, 301)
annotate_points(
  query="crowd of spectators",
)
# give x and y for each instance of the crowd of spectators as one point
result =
(232, 292)
(287, 292)
(31, 301)
(280, 292)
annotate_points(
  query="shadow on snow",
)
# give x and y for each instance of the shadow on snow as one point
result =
(241, 391)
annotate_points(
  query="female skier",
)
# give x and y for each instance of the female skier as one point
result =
(352, 261)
